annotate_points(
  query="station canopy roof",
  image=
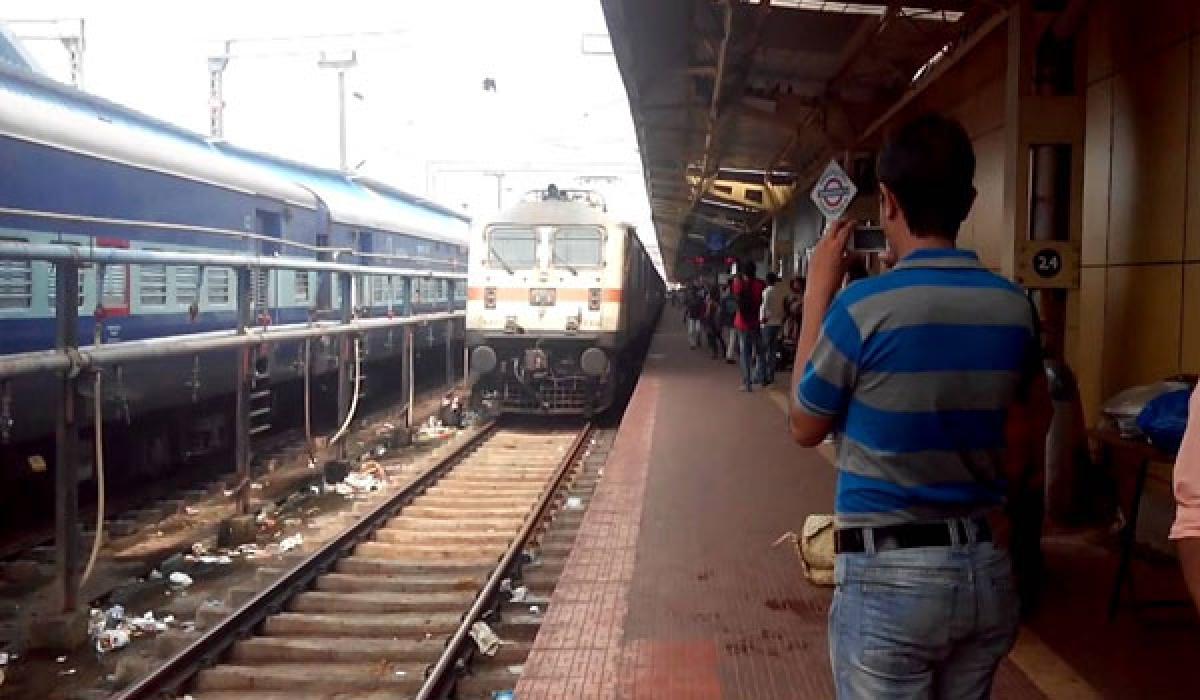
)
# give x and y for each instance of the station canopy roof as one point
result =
(738, 103)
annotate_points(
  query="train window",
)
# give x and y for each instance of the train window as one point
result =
(380, 289)
(187, 280)
(300, 286)
(52, 285)
(512, 248)
(218, 284)
(424, 250)
(116, 287)
(578, 246)
(260, 284)
(152, 285)
(16, 281)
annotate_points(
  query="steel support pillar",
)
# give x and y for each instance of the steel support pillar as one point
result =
(450, 353)
(245, 370)
(407, 369)
(66, 442)
(345, 359)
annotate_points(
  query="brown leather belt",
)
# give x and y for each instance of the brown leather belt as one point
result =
(909, 535)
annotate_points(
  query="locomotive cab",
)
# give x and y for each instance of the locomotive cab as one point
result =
(548, 311)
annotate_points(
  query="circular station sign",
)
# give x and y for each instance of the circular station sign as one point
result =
(833, 191)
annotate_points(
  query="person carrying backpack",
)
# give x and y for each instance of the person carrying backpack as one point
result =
(712, 323)
(748, 291)
(728, 312)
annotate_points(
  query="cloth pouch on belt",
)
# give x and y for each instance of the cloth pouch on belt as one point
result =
(814, 548)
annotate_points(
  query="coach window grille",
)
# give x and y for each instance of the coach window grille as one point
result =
(218, 284)
(578, 247)
(16, 281)
(187, 283)
(116, 286)
(52, 284)
(152, 285)
(300, 287)
(381, 293)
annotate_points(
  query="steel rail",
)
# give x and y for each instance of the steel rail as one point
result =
(437, 683)
(93, 356)
(78, 254)
(168, 680)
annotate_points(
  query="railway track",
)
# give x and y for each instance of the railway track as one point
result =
(385, 609)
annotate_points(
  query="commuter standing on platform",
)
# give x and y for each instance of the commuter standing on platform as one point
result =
(695, 314)
(712, 322)
(772, 314)
(748, 291)
(919, 370)
(1186, 530)
(728, 313)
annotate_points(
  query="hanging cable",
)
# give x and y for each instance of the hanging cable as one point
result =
(353, 400)
(98, 440)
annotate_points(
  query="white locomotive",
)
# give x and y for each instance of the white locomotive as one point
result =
(560, 300)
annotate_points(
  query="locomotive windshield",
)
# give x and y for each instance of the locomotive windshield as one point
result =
(512, 248)
(578, 247)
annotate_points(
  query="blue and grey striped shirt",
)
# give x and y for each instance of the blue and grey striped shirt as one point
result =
(918, 367)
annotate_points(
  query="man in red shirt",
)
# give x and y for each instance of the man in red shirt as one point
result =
(748, 291)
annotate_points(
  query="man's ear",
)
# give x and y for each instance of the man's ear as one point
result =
(970, 202)
(889, 208)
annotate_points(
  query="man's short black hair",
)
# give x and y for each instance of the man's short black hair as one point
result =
(747, 268)
(929, 165)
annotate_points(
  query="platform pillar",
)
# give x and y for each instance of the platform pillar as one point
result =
(407, 371)
(450, 353)
(66, 442)
(345, 361)
(241, 430)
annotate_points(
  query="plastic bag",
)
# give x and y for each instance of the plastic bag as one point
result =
(1125, 407)
(1164, 419)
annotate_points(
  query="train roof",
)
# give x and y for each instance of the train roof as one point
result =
(354, 204)
(37, 109)
(553, 213)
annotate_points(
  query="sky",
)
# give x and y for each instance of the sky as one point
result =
(417, 113)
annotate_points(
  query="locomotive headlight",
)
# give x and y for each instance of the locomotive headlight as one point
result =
(483, 360)
(489, 297)
(593, 362)
(594, 297)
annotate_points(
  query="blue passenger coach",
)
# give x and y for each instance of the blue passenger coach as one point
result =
(80, 170)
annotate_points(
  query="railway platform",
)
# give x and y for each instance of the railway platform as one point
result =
(673, 588)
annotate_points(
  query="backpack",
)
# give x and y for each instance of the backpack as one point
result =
(729, 308)
(746, 306)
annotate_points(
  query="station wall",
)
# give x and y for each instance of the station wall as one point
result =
(1140, 293)
(1136, 317)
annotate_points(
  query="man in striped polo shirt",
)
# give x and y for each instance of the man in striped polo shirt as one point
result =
(916, 371)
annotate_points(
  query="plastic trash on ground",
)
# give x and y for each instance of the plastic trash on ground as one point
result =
(519, 594)
(111, 640)
(287, 544)
(178, 578)
(485, 638)
(574, 503)
(504, 695)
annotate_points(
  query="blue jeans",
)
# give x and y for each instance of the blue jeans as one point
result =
(751, 347)
(925, 622)
(766, 360)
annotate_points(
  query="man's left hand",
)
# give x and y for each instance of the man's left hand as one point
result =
(827, 266)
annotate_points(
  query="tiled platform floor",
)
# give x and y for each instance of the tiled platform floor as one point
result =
(674, 591)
